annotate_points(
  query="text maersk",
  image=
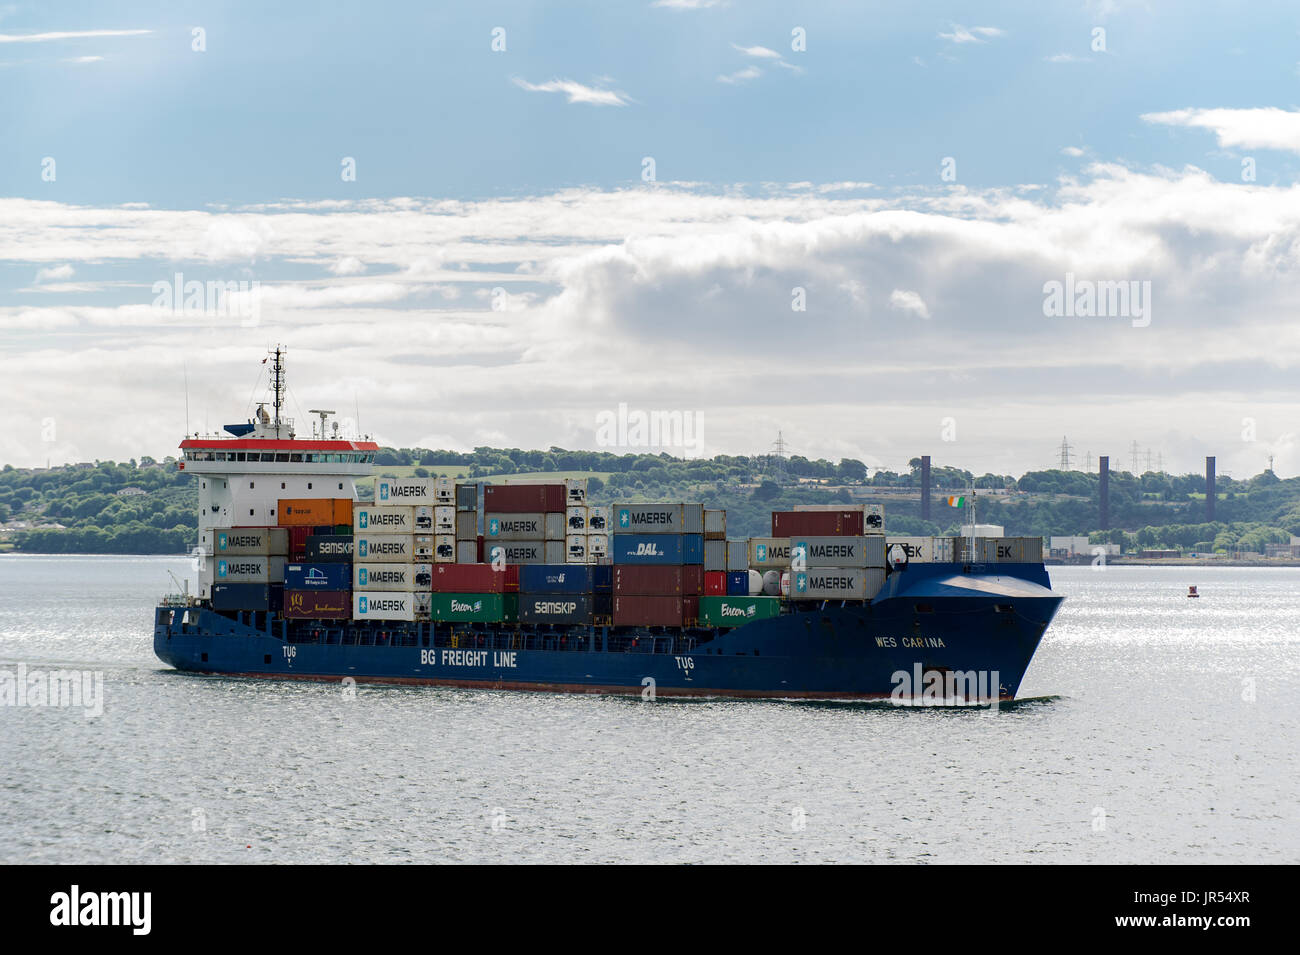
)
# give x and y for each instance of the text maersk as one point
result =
(468, 658)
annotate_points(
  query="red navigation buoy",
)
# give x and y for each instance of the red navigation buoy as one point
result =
(1191, 591)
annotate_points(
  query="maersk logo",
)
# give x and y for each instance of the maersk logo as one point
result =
(364, 520)
(363, 605)
(459, 607)
(362, 547)
(221, 568)
(760, 553)
(494, 527)
(221, 542)
(801, 583)
(624, 517)
(383, 491)
(651, 517)
(649, 550)
(363, 576)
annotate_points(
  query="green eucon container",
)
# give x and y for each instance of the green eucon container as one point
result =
(737, 611)
(467, 608)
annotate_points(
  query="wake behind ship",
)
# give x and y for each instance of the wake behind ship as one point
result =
(528, 586)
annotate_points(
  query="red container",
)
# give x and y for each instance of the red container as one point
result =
(318, 604)
(298, 546)
(523, 498)
(646, 610)
(630, 579)
(512, 578)
(715, 582)
(470, 579)
(817, 524)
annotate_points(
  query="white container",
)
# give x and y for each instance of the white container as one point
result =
(383, 606)
(765, 552)
(247, 570)
(444, 549)
(597, 546)
(556, 529)
(576, 520)
(384, 548)
(386, 577)
(403, 491)
(575, 549)
(515, 527)
(444, 519)
(391, 519)
(598, 519)
(575, 491)
(422, 548)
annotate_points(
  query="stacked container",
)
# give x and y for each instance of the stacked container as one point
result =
(465, 523)
(525, 523)
(658, 554)
(391, 550)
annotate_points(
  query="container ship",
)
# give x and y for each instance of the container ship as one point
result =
(529, 586)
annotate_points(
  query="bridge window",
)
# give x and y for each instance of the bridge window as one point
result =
(296, 458)
(250, 484)
(268, 456)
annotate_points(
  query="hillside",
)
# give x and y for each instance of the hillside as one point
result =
(149, 507)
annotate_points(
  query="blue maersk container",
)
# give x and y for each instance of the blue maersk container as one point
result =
(666, 549)
(556, 579)
(737, 583)
(332, 576)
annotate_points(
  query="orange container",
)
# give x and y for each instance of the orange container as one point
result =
(297, 511)
(342, 510)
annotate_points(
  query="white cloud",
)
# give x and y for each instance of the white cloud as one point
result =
(69, 35)
(1074, 151)
(576, 92)
(83, 59)
(1064, 58)
(1257, 128)
(55, 272)
(906, 301)
(688, 4)
(347, 265)
(761, 52)
(741, 76)
(960, 34)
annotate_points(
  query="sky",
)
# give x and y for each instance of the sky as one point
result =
(877, 230)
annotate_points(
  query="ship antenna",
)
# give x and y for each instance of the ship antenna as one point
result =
(278, 369)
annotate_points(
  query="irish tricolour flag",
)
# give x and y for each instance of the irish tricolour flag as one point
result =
(956, 502)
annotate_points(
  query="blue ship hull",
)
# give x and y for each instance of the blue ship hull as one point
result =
(931, 618)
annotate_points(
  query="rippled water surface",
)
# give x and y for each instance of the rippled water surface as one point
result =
(1159, 729)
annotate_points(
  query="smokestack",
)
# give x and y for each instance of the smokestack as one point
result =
(1104, 493)
(1209, 489)
(925, 487)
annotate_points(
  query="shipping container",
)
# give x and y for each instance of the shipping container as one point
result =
(514, 527)
(469, 578)
(317, 604)
(383, 606)
(643, 579)
(523, 498)
(468, 608)
(646, 610)
(838, 551)
(249, 570)
(873, 518)
(444, 549)
(444, 519)
(422, 547)
(659, 518)
(575, 549)
(733, 611)
(444, 491)
(466, 525)
(738, 554)
(715, 525)
(389, 490)
(242, 597)
(556, 608)
(467, 552)
(922, 550)
(249, 541)
(323, 548)
(738, 583)
(554, 552)
(833, 583)
(715, 555)
(385, 548)
(467, 497)
(313, 511)
(575, 491)
(597, 546)
(576, 520)
(424, 519)
(817, 523)
(401, 577)
(298, 537)
(555, 578)
(519, 552)
(602, 578)
(1000, 550)
(657, 548)
(598, 519)
(715, 581)
(767, 552)
(387, 519)
(327, 576)
(423, 604)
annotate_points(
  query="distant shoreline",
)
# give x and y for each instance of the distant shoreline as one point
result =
(1179, 562)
